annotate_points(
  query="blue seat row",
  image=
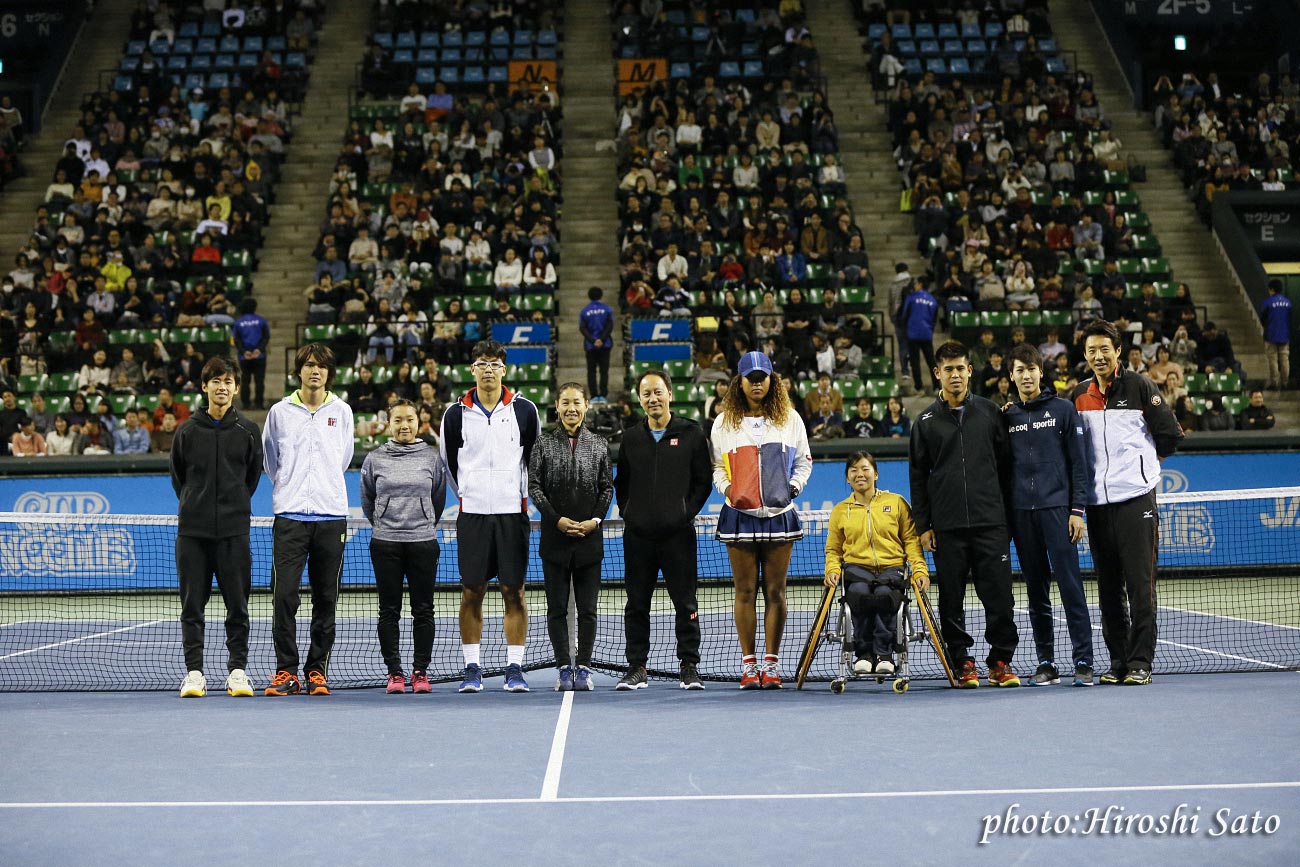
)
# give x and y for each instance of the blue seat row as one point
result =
(208, 45)
(726, 69)
(426, 56)
(427, 75)
(991, 30)
(970, 47)
(474, 39)
(206, 62)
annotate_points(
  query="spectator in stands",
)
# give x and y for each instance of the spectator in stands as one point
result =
(11, 414)
(919, 316)
(1275, 315)
(895, 423)
(131, 438)
(41, 417)
(1216, 416)
(1215, 351)
(863, 425)
(363, 394)
(27, 441)
(61, 439)
(1088, 238)
(126, 377)
(95, 375)
(160, 439)
(508, 275)
(1256, 416)
(94, 440)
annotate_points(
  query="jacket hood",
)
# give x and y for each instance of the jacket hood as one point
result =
(396, 449)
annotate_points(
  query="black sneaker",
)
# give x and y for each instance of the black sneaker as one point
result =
(1115, 675)
(1046, 675)
(1138, 677)
(1082, 674)
(634, 679)
(690, 678)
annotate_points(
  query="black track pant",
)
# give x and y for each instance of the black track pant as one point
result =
(318, 545)
(254, 381)
(598, 371)
(873, 598)
(1124, 537)
(586, 592)
(981, 555)
(197, 560)
(917, 348)
(674, 555)
(417, 563)
(1046, 552)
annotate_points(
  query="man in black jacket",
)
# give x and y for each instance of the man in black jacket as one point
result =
(664, 478)
(959, 464)
(216, 463)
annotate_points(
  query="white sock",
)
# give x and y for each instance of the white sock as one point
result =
(514, 654)
(471, 653)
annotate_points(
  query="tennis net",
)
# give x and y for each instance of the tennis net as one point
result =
(88, 602)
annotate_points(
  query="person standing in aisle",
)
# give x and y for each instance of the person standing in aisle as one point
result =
(307, 449)
(1275, 314)
(569, 481)
(596, 322)
(216, 464)
(251, 334)
(403, 491)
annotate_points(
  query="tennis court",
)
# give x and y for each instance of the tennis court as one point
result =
(718, 777)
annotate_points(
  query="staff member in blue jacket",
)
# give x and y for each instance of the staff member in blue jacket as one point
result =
(919, 313)
(403, 491)
(596, 324)
(216, 463)
(1275, 315)
(1049, 489)
(307, 447)
(570, 483)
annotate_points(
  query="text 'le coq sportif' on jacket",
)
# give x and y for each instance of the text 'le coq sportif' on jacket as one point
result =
(1049, 454)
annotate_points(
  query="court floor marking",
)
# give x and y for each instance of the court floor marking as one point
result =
(1059, 619)
(638, 799)
(551, 782)
(79, 640)
(1263, 623)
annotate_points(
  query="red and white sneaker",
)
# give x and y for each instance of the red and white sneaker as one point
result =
(396, 684)
(771, 674)
(750, 677)
(969, 676)
(420, 682)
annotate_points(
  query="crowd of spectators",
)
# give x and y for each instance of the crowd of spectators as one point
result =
(437, 202)
(88, 425)
(11, 139)
(152, 213)
(1238, 136)
(732, 203)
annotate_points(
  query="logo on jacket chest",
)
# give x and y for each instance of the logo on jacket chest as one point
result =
(332, 422)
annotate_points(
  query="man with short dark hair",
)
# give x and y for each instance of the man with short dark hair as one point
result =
(596, 322)
(1129, 430)
(487, 440)
(1275, 315)
(11, 415)
(1256, 416)
(216, 464)
(307, 448)
(131, 439)
(1048, 492)
(960, 467)
(162, 439)
(251, 334)
(664, 478)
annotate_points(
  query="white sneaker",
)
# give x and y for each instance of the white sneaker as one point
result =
(885, 666)
(237, 683)
(195, 685)
(863, 665)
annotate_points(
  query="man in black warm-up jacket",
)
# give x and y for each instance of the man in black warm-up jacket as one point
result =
(216, 463)
(960, 473)
(664, 478)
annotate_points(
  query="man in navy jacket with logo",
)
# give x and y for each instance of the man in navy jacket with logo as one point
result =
(1049, 490)
(919, 313)
(596, 323)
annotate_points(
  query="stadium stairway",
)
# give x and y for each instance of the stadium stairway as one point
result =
(590, 213)
(1191, 249)
(865, 149)
(99, 47)
(286, 265)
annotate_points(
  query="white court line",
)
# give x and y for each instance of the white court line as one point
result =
(640, 799)
(81, 639)
(1230, 617)
(1204, 650)
(551, 783)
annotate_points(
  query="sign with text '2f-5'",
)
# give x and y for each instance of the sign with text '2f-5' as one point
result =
(654, 330)
(521, 332)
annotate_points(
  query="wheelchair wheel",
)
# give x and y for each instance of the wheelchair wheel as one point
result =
(900, 686)
(838, 685)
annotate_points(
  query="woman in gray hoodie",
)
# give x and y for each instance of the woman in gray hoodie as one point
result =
(403, 491)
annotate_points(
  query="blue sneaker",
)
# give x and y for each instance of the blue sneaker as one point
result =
(582, 681)
(473, 679)
(515, 679)
(565, 681)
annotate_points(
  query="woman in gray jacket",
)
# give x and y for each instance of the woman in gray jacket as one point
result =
(403, 491)
(569, 481)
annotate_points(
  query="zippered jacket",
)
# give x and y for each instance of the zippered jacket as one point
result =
(763, 477)
(306, 454)
(959, 467)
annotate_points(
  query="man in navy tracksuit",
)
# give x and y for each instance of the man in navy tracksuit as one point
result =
(596, 323)
(919, 313)
(1275, 315)
(1049, 490)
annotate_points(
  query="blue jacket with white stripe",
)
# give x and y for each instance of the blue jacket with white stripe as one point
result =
(1049, 456)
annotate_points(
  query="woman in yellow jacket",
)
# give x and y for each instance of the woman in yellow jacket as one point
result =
(870, 543)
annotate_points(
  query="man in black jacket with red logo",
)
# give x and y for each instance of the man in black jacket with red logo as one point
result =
(1129, 429)
(664, 477)
(959, 465)
(216, 463)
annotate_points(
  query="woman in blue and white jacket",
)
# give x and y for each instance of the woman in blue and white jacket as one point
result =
(761, 462)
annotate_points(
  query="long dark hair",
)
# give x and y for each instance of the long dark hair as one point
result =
(776, 403)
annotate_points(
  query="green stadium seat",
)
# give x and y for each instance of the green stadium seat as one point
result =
(852, 388)
(1196, 383)
(345, 376)
(476, 279)
(61, 383)
(878, 366)
(58, 403)
(146, 402)
(61, 341)
(857, 297)
(1156, 268)
(879, 389)
(121, 402)
(1059, 318)
(237, 262)
(318, 333)
(964, 320)
(1029, 318)
(1139, 221)
(679, 368)
(32, 382)
(530, 301)
(479, 303)
(995, 318)
(691, 411)
(1222, 383)
(1115, 180)
(538, 394)
(121, 337)
(1130, 267)
(537, 372)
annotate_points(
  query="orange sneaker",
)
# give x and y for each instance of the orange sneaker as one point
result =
(284, 683)
(1000, 674)
(969, 676)
(316, 684)
(750, 677)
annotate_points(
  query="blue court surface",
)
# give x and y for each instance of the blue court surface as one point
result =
(660, 776)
